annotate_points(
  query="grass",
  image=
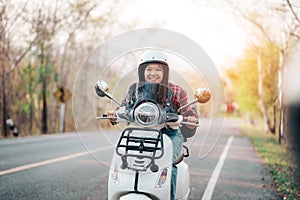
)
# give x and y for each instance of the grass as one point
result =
(277, 159)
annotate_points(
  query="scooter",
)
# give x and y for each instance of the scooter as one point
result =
(141, 166)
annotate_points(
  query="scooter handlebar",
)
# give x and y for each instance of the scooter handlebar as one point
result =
(190, 124)
(118, 119)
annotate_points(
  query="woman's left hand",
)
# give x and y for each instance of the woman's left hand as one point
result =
(191, 119)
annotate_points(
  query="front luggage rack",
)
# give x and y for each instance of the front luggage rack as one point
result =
(139, 148)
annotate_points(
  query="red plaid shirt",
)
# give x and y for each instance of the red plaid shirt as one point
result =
(180, 99)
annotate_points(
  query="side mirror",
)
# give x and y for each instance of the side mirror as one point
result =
(202, 95)
(101, 88)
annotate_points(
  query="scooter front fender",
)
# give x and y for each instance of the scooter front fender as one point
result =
(134, 196)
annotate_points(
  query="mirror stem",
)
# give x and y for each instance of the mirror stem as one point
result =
(110, 97)
(116, 101)
(190, 103)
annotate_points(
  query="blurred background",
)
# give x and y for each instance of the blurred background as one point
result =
(254, 45)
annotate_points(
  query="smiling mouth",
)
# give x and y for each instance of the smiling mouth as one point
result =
(153, 79)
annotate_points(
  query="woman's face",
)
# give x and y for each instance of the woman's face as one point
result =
(154, 73)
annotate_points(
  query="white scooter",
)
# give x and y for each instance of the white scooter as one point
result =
(141, 167)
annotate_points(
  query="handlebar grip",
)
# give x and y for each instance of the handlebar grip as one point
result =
(172, 118)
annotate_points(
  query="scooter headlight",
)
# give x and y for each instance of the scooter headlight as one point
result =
(147, 114)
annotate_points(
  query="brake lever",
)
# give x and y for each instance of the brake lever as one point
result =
(190, 124)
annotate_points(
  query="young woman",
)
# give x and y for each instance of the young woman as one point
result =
(153, 67)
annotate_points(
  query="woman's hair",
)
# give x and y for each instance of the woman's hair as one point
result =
(142, 67)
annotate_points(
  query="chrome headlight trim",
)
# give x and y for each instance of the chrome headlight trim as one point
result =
(147, 114)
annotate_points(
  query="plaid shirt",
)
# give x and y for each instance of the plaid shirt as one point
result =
(180, 99)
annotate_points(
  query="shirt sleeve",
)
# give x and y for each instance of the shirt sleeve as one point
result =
(129, 97)
(183, 100)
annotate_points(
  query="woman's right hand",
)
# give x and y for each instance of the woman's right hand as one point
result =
(112, 113)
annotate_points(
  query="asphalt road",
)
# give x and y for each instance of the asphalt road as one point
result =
(223, 165)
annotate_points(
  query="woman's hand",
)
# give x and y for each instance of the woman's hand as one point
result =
(112, 113)
(191, 119)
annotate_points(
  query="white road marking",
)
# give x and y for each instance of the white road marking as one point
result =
(215, 175)
(50, 161)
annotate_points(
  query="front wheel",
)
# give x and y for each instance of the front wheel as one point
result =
(135, 196)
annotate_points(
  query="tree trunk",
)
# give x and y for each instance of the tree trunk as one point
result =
(274, 119)
(31, 103)
(4, 111)
(44, 90)
(280, 95)
(266, 118)
(44, 109)
(31, 117)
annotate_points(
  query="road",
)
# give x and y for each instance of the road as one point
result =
(223, 165)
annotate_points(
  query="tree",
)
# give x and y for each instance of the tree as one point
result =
(249, 78)
(10, 16)
(293, 8)
(42, 46)
(264, 18)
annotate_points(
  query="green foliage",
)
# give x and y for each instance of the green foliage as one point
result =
(244, 77)
(277, 159)
(56, 74)
(26, 108)
(29, 84)
(40, 74)
(284, 181)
